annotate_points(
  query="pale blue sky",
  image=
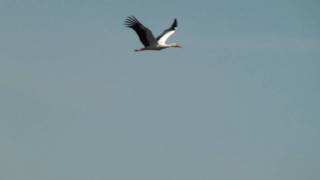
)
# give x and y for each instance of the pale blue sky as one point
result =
(239, 101)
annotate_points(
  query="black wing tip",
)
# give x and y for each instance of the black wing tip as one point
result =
(174, 24)
(131, 21)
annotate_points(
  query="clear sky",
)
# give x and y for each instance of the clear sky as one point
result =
(240, 100)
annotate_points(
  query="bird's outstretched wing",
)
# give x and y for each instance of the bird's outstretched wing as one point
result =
(163, 37)
(145, 35)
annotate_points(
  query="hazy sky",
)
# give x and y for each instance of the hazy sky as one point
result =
(240, 101)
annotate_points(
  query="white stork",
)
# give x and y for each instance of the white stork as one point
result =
(147, 38)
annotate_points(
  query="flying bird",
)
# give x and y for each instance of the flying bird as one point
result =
(146, 37)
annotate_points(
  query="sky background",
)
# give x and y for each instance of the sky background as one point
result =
(240, 100)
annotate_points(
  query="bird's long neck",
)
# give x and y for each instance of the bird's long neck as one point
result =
(170, 45)
(175, 45)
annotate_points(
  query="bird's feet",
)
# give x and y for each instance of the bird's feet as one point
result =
(137, 50)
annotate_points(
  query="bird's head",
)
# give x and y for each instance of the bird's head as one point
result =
(176, 45)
